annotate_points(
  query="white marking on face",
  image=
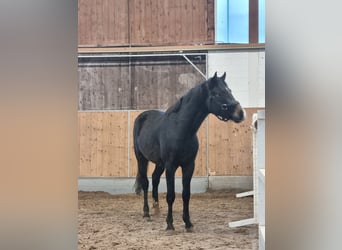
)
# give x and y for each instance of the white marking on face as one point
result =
(244, 114)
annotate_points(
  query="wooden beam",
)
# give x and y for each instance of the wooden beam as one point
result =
(253, 21)
(89, 50)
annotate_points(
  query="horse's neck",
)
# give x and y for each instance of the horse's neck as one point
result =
(192, 114)
(198, 119)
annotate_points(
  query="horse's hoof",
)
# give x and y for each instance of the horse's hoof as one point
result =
(170, 227)
(148, 219)
(156, 211)
(146, 216)
(189, 229)
(156, 208)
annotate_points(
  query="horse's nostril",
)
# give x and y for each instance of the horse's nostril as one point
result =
(224, 106)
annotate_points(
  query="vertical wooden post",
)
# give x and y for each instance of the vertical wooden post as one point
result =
(253, 21)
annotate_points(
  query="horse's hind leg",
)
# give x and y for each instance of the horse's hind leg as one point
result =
(142, 181)
(158, 171)
(186, 179)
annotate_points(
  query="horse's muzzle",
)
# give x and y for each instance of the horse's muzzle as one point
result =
(239, 114)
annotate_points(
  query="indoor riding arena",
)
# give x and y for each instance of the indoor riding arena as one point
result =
(138, 55)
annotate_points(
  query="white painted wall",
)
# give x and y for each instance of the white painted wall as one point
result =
(122, 185)
(245, 74)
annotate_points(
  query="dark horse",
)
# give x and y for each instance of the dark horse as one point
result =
(168, 139)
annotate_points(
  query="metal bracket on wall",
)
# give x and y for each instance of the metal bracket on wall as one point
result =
(193, 65)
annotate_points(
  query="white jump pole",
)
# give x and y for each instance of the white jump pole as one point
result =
(258, 163)
(261, 179)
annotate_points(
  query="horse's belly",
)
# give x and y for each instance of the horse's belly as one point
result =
(150, 151)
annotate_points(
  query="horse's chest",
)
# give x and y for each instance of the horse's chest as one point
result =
(180, 148)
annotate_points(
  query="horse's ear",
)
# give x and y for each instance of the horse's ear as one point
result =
(212, 82)
(215, 75)
(223, 77)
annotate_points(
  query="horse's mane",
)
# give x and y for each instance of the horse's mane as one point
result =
(184, 99)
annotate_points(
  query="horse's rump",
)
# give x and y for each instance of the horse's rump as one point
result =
(146, 134)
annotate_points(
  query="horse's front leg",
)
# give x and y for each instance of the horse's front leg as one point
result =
(170, 196)
(158, 171)
(186, 180)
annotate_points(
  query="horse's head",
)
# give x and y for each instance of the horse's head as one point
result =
(221, 101)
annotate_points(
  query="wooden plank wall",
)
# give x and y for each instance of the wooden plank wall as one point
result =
(171, 22)
(104, 84)
(103, 22)
(230, 146)
(145, 22)
(136, 83)
(103, 139)
(106, 145)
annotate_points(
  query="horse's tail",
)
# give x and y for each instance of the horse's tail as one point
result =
(136, 131)
(138, 123)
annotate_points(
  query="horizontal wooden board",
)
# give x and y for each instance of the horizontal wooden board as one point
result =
(136, 83)
(103, 144)
(105, 85)
(104, 23)
(230, 146)
(106, 146)
(172, 48)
